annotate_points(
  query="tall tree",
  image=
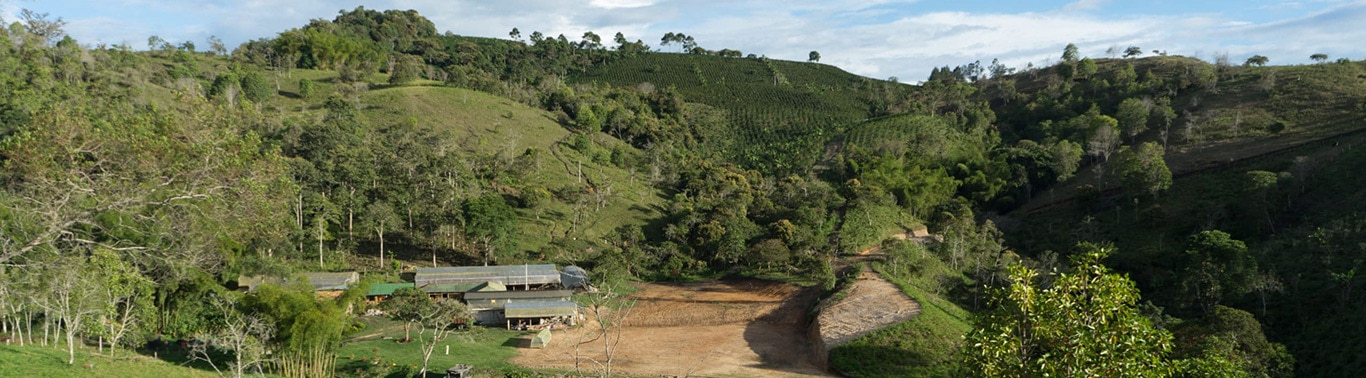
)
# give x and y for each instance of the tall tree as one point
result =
(1218, 267)
(813, 56)
(380, 217)
(489, 222)
(1144, 169)
(1086, 324)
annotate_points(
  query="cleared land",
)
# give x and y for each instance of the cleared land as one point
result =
(868, 305)
(726, 328)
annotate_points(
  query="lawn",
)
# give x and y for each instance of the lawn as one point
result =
(375, 351)
(38, 361)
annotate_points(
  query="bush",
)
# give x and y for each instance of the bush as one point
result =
(305, 88)
(256, 87)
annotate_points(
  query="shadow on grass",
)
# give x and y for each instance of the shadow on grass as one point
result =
(178, 353)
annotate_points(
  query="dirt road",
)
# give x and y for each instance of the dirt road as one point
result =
(727, 328)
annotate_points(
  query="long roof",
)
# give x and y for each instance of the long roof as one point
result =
(463, 287)
(332, 281)
(384, 289)
(529, 294)
(504, 274)
(517, 310)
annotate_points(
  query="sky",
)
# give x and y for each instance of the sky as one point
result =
(874, 38)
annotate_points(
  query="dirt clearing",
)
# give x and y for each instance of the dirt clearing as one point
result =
(726, 328)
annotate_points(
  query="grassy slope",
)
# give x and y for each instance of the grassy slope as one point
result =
(28, 361)
(484, 124)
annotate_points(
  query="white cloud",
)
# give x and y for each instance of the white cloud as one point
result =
(613, 4)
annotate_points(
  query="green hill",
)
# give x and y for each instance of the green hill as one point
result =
(780, 114)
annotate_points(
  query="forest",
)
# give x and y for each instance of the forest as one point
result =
(1101, 216)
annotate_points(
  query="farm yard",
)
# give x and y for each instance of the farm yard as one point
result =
(731, 327)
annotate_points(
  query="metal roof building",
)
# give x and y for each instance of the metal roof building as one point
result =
(508, 275)
(321, 281)
(499, 299)
(527, 310)
(462, 287)
(385, 289)
(332, 281)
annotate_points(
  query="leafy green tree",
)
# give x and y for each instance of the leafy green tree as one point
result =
(1070, 54)
(813, 56)
(489, 223)
(1132, 115)
(406, 305)
(515, 34)
(1144, 169)
(256, 87)
(1256, 60)
(1218, 267)
(1132, 51)
(226, 86)
(1238, 337)
(1086, 324)
(308, 329)
(1086, 68)
(1319, 57)
(406, 70)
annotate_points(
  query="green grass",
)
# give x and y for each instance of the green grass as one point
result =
(487, 349)
(486, 125)
(33, 361)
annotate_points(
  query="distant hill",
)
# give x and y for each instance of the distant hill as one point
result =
(781, 113)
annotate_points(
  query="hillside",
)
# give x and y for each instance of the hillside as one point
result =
(779, 114)
(139, 186)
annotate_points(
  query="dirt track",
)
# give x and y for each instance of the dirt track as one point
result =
(728, 328)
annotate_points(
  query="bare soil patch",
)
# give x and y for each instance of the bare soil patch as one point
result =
(725, 328)
(871, 303)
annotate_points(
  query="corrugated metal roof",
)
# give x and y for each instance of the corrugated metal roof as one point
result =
(463, 287)
(530, 294)
(332, 281)
(380, 289)
(506, 274)
(521, 310)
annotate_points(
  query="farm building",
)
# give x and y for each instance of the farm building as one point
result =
(458, 290)
(514, 277)
(325, 284)
(537, 313)
(489, 307)
(380, 291)
(575, 278)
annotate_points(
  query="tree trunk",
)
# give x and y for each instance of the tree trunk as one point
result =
(380, 232)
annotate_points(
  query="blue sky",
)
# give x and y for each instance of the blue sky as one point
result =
(876, 38)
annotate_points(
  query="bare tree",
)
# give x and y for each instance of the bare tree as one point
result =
(244, 336)
(437, 323)
(47, 31)
(71, 299)
(1103, 144)
(608, 312)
